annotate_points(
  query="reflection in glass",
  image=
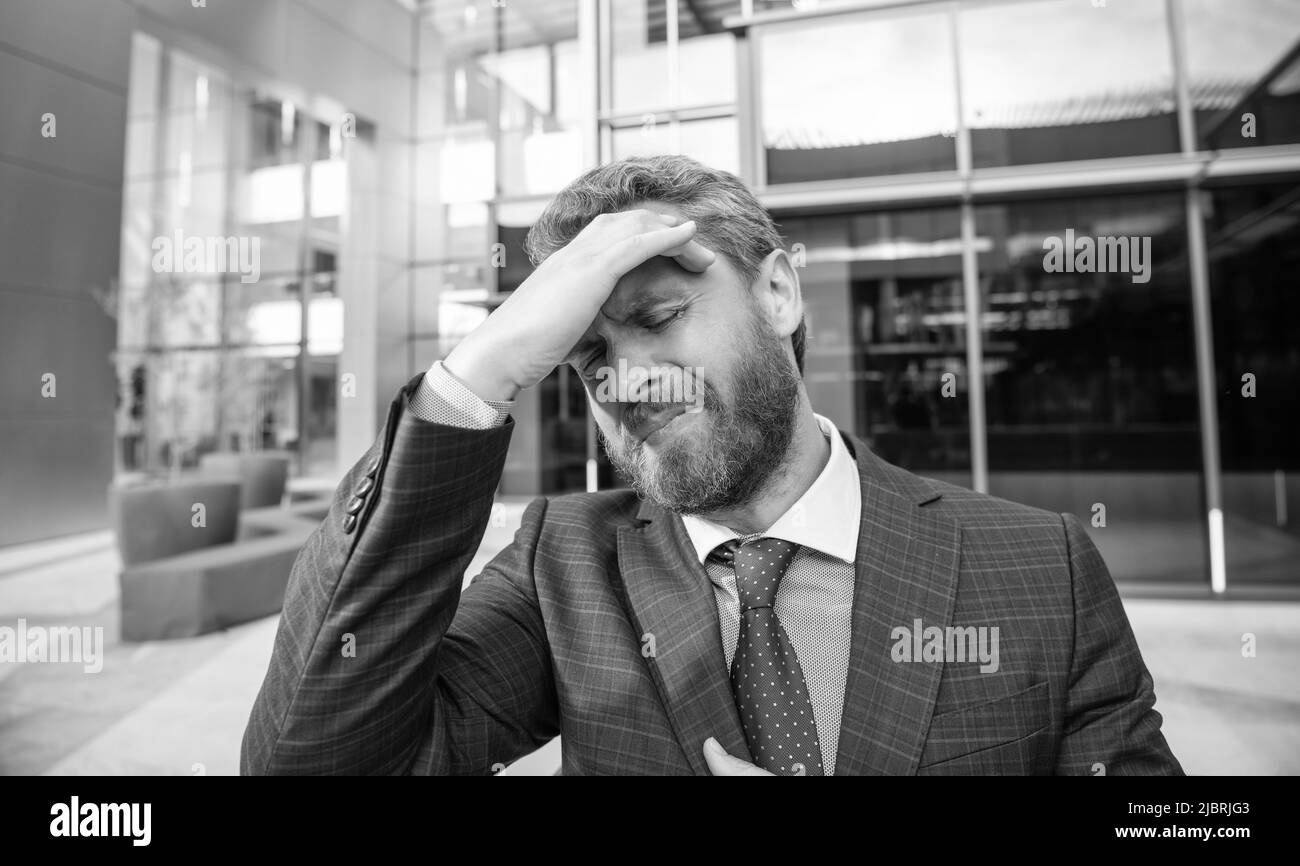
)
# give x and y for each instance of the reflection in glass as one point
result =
(266, 313)
(563, 431)
(258, 402)
(1243, 58)
(886, 325)
(450, 301)
(641, 70)
(206, 360)
(639, 57)
(507, 72)
(1253, 241)
(1090, 376)
(713, 141)
(179, 311)
(274, 127)
(1057, 80)
(455, 177)
(167, 418)
(321, 423)
(855, 97)
(706, 66)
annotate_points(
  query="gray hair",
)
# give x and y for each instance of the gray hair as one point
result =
(729, 219)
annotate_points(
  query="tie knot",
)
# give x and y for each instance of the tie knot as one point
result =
(760, 564)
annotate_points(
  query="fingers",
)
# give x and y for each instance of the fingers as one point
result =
(630, 252)
(722, 764)
(693, 256)
(657, 234)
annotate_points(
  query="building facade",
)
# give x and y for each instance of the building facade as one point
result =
(1047, 247)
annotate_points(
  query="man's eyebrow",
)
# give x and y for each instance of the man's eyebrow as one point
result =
(649, 302)
(638, 309)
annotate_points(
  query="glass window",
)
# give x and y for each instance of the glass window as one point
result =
(455, 35)
(1253, 242)
(186, 310)
(1243, 90)
(854, 97)
(169, 415)
(713, 142)
(1090, 374)
(217, 195)
(273, 127)
(450, 301)
(886, 351)
(321, 423)
(258, 405)
(266, 313)
(639, 55)
(706, 68)
(507, 76)
(537, 162)
(454, 181)
(564, 420)
(1059, 80)
(197, 115)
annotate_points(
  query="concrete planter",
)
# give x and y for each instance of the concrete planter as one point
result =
(157, 520)
(262, 474)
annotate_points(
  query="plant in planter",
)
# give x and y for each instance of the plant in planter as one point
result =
(154, 512)
(185, 398)
(166, 396)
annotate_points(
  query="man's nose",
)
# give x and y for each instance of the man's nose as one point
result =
(628, 379)
(630, 361)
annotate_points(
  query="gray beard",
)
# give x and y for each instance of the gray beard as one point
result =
(746, 443)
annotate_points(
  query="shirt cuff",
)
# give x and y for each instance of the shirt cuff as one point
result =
(444, 399)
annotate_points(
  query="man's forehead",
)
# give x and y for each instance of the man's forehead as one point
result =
(657, 276)
(661, 280)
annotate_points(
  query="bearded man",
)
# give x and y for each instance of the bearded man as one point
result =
(769, 598)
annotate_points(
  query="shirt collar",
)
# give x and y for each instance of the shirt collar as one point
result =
(826, 518)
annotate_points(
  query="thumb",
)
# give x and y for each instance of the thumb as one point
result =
(722, 764)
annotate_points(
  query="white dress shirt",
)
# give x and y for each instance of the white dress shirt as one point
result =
(815, 599)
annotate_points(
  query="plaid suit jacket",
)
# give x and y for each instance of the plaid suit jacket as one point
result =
(599, 624)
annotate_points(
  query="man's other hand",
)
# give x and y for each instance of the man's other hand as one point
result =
(722, 764)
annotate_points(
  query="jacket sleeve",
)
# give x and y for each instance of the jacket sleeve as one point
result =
(1111, 726)
(381, 665)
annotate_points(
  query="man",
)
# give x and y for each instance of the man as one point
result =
(772, 598)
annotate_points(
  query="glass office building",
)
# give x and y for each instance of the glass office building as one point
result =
(922, 160)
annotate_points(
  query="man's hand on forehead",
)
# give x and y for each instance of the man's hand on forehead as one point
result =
(693, 256)
(539, 325)
(641, 292)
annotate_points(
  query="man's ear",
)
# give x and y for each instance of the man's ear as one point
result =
(777, 289)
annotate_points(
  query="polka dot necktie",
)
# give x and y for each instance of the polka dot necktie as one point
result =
(766, 679)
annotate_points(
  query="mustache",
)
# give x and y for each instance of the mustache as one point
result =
(636, 414)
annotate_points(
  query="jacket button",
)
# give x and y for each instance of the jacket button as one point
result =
(349, 523)
(355, 504)
(364, 486)
(374, 466)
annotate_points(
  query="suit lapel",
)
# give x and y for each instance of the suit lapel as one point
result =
(668, 596)
(907, 564)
